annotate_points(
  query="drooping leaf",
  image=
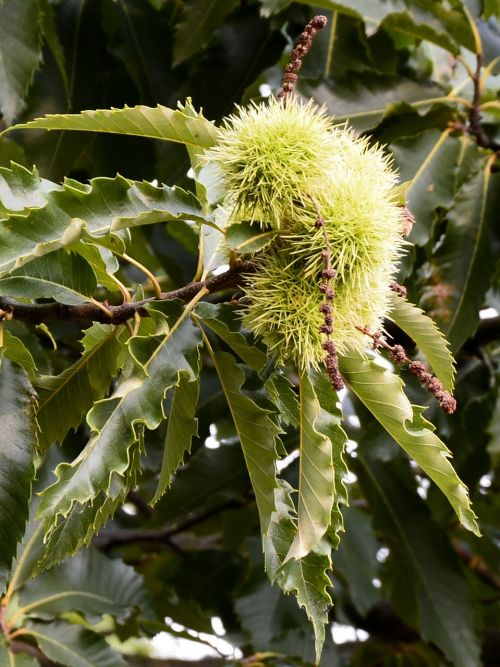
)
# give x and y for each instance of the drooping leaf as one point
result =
(316, 476)
(64, 277)
(103, 207)
(182, 427)
(154, 122)
(329, 423)
(224, 321)
(444, 607)
(88, 490)
(89, 583)
(199, 20)
(282, 394)
(72, 645)
(306, 578)
(458, 272)
(64, 399)
(20, 53)
(424, 332)
(17, 451)
(257, 432)
(382, 393)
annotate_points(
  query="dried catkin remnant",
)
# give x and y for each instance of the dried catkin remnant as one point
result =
(284, 166)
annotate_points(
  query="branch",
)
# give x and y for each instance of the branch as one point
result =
(113, 538)
(477, 564)
(475, 127)
(38, 313)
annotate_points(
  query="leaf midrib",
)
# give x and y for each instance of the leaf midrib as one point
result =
(60, 596)
(83, 361)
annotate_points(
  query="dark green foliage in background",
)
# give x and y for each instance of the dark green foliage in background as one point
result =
(124, 415)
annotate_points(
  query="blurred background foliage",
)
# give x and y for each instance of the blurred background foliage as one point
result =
(411, 588)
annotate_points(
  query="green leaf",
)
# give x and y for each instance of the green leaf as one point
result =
(307, 578)
(51, 36)
(424, 332)
(282, 394)
(154, 122)
(64, 399)
(444, 26)
(102, 207)
(72, 645)
(199, 20)
(458, 272)
(11, 152)
(62, 276)
(15, 350)
(101, 259)
(223, 320)
(10, 659)
(444, 607)
(316, 476)
(20, 53)
(356, 559)
(491, 8)
(182, 427)
(329, 423)
(21, 189)
(17, 470)
(245, 237)
(211, 478)
(366, 99)
(88, 490)
(257, 432)
(435, 155)
(89, 583)
(382, 393)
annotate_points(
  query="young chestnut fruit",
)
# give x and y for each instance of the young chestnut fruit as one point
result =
(285, 165)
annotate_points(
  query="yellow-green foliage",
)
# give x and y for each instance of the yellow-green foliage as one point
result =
(281, 165)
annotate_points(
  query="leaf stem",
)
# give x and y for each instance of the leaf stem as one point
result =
(147, 272)
(475, 32)
(121, 287)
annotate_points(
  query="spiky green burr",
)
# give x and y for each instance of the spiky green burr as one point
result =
(270, 157)
(284, 166)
